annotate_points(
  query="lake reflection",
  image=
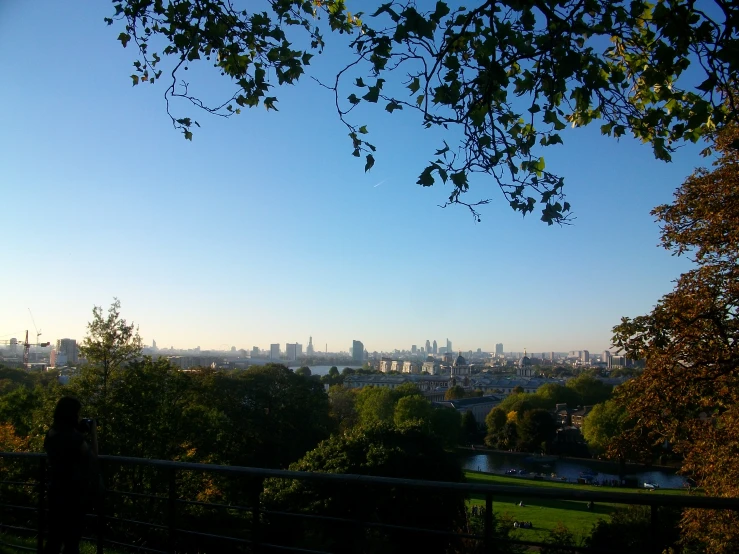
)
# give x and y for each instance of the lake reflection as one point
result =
(500, 462)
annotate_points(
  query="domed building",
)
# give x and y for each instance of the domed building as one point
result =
(525, 366)
(460, 373)
(460, 366)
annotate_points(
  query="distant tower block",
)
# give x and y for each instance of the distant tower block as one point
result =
(309, 350)
(357, 352)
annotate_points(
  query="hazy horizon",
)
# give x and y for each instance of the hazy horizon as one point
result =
(319, 347)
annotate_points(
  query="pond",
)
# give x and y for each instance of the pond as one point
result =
(570, 469)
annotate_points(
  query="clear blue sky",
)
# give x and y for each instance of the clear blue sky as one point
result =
(265, 229)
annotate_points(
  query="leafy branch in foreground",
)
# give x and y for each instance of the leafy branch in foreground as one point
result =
(506, 77)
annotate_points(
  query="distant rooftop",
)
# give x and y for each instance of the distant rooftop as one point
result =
(474, 401)
(395, 378)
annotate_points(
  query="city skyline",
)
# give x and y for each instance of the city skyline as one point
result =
(293, 353)
(282, 243)
(294, 350)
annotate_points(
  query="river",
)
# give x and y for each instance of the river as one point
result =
(571, 469)
(323, 369)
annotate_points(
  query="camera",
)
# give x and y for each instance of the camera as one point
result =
(85, 425)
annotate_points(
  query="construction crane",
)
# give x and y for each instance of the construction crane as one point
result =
(26, 347)
(38, 333)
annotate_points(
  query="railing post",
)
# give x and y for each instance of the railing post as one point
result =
(256, 493)
(172, 510)
(100, 507)
(41, 505)
(654, 541)
(356, 493)
(488, 544)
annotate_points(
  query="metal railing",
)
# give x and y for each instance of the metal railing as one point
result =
(164, 503)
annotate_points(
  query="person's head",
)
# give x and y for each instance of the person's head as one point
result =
(67, 412)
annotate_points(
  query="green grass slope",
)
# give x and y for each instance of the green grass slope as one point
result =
(545, 513)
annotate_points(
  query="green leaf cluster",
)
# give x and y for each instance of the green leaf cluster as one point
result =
(503, 79)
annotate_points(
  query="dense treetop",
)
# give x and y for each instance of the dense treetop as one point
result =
(404, 451)
(687, 399)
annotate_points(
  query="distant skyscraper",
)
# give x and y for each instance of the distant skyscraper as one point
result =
(436, 348)
(449, 346)
(606, 357)
(585, 356)
(551, 356)
(414, 348)
(255, 352)
(428, 347)
(68, 347)
(499, 349)
(291, 351)
(57, 359)
(357, 352)
(153, 344)
(274, 351)
(309, 350)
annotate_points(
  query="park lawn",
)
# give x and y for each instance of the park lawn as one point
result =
(546, 513)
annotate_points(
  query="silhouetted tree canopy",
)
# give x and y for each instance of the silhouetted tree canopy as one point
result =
(381, 450)
(630, 529)
(536, 429)
(303, 371)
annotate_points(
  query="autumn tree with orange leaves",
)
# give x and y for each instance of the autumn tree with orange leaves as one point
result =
(688, 396)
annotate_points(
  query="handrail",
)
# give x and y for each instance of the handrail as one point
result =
(173, 531)
(642, 499)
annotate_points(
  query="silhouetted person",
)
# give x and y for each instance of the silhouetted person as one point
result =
(71, 463)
